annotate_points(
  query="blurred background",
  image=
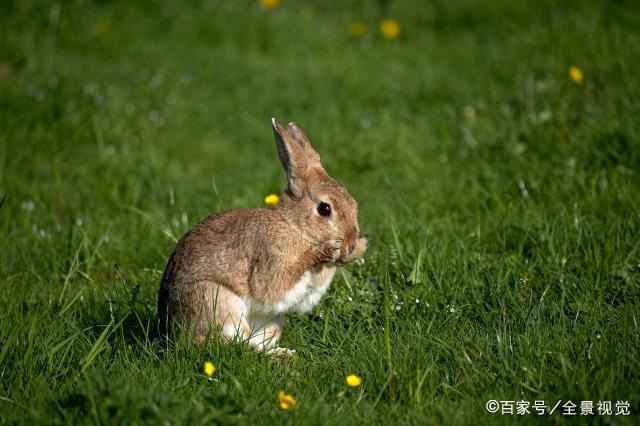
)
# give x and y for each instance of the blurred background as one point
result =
(164, 107)
(157, 102)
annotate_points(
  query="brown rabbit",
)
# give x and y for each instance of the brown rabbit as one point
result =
(243, 269)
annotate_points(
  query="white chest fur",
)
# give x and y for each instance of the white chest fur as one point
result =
(306, 293)
(319, 282)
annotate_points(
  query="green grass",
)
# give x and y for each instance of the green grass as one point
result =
(502, 204)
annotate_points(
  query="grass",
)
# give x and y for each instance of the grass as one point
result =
(501, 201)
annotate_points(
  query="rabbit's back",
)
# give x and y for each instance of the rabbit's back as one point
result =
(224, 248)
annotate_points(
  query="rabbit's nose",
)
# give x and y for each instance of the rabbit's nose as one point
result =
(350, 248)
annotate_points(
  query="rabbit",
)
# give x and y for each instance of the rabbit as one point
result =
(242, 270)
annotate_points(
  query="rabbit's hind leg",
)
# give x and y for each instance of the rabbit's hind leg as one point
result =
(265, 329)
(207, 304)
(265, 332)
(231, 315)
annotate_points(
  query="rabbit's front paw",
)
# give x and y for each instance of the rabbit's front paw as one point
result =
(331, 250)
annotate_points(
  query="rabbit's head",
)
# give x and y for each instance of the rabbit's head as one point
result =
(320, 209)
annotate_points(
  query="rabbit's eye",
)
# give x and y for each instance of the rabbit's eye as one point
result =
(324, 209)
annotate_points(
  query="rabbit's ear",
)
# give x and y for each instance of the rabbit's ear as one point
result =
(313, 158)
(292, 156)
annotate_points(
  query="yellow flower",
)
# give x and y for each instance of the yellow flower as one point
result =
(357, 29)
(353, 381)
(271, 199)
(269, 4)
(209, 368)
(389, 28)
(575, 75)
(286, 401)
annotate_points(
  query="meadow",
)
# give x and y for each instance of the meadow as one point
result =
(499, 188)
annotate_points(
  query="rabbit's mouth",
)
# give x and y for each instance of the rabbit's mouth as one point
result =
(354, 250)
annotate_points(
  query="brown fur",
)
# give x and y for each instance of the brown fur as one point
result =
(235, 258)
